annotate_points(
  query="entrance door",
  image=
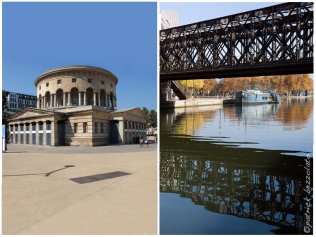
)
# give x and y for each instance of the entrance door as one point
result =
(114, 132)
(61, 133)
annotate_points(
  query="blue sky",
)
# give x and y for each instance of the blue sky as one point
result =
(190, 12)
(120, 37)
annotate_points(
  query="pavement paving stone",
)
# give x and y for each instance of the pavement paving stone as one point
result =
(37, 203)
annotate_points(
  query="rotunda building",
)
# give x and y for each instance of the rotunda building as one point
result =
(77, 105)
(76, 86)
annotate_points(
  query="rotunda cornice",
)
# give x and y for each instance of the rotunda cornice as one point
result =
(75, 68)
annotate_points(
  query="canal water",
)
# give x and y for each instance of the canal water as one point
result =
(237, 170)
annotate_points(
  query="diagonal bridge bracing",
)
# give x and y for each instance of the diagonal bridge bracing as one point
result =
(274, 40)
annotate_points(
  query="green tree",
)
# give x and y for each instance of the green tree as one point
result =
(153, 118)
(146, 114)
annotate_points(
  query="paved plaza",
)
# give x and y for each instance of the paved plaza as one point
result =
(39, 196)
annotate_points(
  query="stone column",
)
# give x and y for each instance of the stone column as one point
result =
(55, 100)
(37, 133)
(99, 99)
(64, 99)
(68, 98)
(84, 98)
(24, 133)
(13, 139)
(79, 98)
(44, 133)
(121, 132)
(38, 103)
(19, 130)
(94, 98)
(44, 102)
(31, 134)
(53, 128)
(51, 101)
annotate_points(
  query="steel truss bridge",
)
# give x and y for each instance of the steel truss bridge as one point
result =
(275, 40)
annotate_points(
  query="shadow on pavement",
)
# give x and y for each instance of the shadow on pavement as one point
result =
(46, 174)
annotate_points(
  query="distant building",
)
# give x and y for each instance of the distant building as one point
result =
(169, 19)
(18, 101)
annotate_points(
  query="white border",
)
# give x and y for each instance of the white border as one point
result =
(158, 119)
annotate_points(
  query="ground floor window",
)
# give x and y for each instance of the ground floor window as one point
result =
(75, 127)
(27, 135)
(33, 138)
(85, 129)
(48, 132)
(21, 134)
(40, 138)
(27, 138)
(101, 127)
(33, 133)
(48, 138)
(96, 127)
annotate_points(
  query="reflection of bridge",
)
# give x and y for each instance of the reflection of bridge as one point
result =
(267, 41)
(243, 191)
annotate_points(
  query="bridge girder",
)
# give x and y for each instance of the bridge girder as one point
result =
(274, 40)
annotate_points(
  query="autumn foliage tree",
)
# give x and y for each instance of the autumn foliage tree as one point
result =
(283, 84)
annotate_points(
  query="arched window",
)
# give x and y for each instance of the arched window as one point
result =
(74, 96)
(47, 100)
(59, 97)
(111, 100)
(89, 96)
(102, 98)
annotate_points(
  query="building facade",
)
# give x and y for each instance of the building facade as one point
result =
(17, 101)
(76, 105)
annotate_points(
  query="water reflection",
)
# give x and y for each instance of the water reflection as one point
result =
(261, 126)
(249, 191)
(294, 113)
(218, 158)
(188, 120)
